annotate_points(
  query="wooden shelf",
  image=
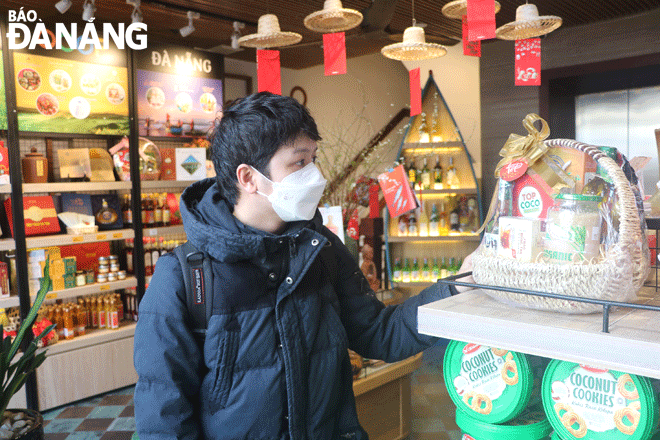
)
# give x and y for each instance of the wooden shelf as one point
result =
(5, 189)
(64, 239)
(7, 244)
(90, 289)
(55, 187)
(431, 192)
(386, 373)
(12, 301)
(165, 184)
(92, 337)
(163, 230)
(632, 344)
(457, 237)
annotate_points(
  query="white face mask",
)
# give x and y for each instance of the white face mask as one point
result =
(297, 196)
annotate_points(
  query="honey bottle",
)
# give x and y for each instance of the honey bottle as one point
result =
(120, 307)
(88, 312)
(59, 322)
(81, 313)
(101, 313)
(67, 317)
(113, 314)
(94, 312)
(106, 309)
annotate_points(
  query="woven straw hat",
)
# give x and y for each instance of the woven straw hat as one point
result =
(333, 18)
(528, 24)
(458, 8)
(414, 47)
(269, 34)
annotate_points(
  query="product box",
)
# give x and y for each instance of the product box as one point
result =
(531, 196)
(79, 203)
(399, 196)
(520, 238)
(69, 281)
(168, 164)
(74, 163)
(40, 215)
(190, 163)
(107, 211)
(172, 203)
(4, 280)
(4, 164)
(69, 265)
(87, 254)
(579, 166)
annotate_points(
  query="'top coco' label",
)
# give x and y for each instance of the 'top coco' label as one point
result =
(481, 372)
(591, 399)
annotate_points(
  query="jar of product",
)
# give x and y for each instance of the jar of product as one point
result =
(121, 275)
(113, 259)
(102, 278)
(593, 403)
(104, 260)
(491, 385)
(573, 229)
(530, 425)
(103, 268)
(89, 277)
(112, 276)
(81, 280)
(114, 267)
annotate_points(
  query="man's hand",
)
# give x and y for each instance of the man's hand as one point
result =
(465, 267)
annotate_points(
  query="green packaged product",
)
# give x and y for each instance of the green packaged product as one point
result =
(530, 425)
(492, 385)
(598, 404)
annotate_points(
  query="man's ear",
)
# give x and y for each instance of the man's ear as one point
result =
(246, 178)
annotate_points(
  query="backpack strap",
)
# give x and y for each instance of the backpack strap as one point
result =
(198, 282)
(329, 260)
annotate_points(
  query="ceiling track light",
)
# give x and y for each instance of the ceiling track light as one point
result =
(63, 5)
(187, 30)
(136, 15)
(89, 8)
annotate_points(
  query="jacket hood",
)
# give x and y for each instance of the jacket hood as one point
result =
(211, 227)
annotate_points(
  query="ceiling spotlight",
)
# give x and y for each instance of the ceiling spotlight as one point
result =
(187, 30)
(136, 15)
(236, 34)
(88, 10)
(63, 5)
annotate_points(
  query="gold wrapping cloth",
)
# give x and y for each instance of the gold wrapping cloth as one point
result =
(530, 147)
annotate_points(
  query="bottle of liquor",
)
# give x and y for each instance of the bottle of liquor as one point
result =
(454, 223)
(412, 225)
(106, 215)
(435, 271)
(443, 269)
(426, 176)
(158, 211)
(434, 222)
(412, 173)
(451, 268)
(127, 211)
(151, 221)
(143, 204)
(402, 225)
(414, 273)
(167, 214)
(396, 271)
(426, 271)
(423, 221)
(443, 219)
(155, 253)
(405, 272)
(129, 255)
(148, 268)
(436, 126)
(113, 314)
(452, 177)
(437, 174)
(473, 216)
(101, 312)
(424, 136)
(463, 215)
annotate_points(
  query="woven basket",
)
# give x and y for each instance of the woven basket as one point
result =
(617, 277)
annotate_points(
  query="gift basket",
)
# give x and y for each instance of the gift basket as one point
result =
(565, 220)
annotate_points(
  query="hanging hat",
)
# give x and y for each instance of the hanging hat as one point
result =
(333, 18)
(414, 47)
(528, 24)
(269, 34)
(458, 8)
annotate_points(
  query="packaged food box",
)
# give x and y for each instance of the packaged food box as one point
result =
(40, 215)
(579, 166)
(520, 238)
(4, 281)
(69, 265)
(532, 196)
(168, 166)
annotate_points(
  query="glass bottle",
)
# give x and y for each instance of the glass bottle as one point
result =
(414, 272)
(463, 215)
(143, 203)
(59, 321)
(437, 174)
(444, 271)
(113, 314)
(424, 136)
(67, 320)
(412, 174)
(106, 215)
(148, 268)
(126, 211)
(452, 177)
(402, 225)
(426, 176)
(423, 222)
(167, 214)
(435, 271)
(426, 271)
(100, 307)
(412, 225)
(158, 211)
(155, 253)
(95, 312)
(81, 317)
(129, 255)
(443, 219)
(473, 216)
(405, 272)
(434, 221)
(454, 222)
(396, 271)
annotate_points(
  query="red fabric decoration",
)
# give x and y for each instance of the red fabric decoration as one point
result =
(268, 71)
(528, 62)
(415, 92)
(481, 19)
(334, 53)
(470, 48)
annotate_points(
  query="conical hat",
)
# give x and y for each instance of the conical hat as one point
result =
(333, 18)
(414, 47)
(528, 24)
(269, 34)
(458, 8)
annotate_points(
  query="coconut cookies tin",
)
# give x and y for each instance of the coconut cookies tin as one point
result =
(586, 402)
(530, 425)
(491, 385)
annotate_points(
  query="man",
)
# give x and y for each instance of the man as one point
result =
(274, 363)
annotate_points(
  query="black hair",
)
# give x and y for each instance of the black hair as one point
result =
(251, 131)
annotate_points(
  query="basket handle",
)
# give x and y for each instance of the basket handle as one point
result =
(628, 217)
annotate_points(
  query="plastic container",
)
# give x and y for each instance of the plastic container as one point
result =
(491, 385)
(585, 402)
(530, 425)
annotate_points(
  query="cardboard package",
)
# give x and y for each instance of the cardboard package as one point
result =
(40, 215)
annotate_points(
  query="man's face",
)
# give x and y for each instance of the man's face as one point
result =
(290, 158)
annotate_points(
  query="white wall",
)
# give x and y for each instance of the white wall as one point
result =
(457, 77)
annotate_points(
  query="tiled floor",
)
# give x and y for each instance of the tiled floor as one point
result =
(111, 416)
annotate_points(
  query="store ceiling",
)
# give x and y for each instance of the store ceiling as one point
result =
(385, 20)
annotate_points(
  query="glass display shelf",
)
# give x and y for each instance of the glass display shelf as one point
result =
(64, 239)
(92, 337)
(90, 289)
